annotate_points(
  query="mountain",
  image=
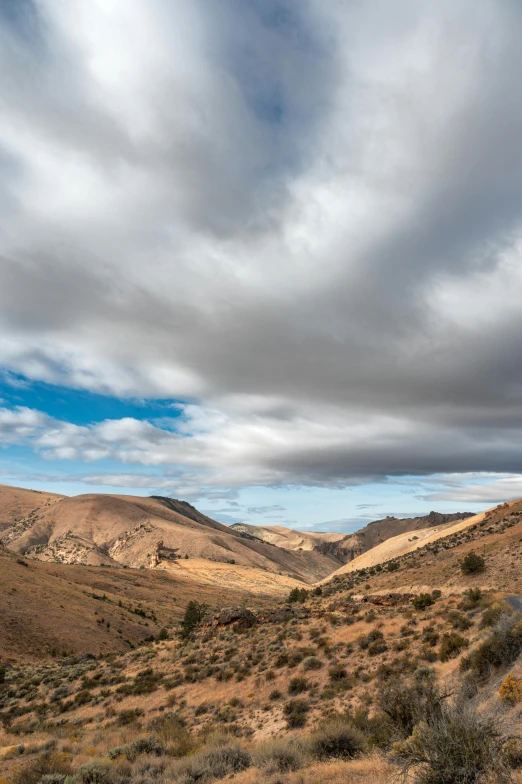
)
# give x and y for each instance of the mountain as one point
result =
(346, 547)
(121, 530)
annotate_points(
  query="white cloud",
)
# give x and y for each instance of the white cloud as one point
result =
(304, 218)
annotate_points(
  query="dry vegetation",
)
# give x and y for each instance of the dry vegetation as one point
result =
(359, 679)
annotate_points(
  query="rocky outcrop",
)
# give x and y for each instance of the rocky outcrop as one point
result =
(389, 599)
(237, 617)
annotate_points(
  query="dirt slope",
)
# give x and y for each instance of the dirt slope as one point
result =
(17, 503)
(48, 606)
(406, 543)
(99, 529)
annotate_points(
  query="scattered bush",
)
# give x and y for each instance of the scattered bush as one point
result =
(312, 663)
(492, 615)
(298, 686)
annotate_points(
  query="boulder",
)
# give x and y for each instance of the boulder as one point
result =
(239, 616)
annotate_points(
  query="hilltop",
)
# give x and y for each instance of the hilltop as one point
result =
(124, 530)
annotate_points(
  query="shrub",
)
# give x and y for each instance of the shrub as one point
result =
(212, 764)
(94, 773)
(459, 621)
(471, 598)
(312, 663)
(296, 712)
(337, 673)
(336, 739)
(280, 756)
(297, 595)
(493, 614)
(192, 618)
(298, 686)
(457, 746)
(512, 753)
(511, 690)
(407, 703)
(451, 646)
(499, 650)
(422, 601)
(472, 564)
(47, 764)
(392, 566)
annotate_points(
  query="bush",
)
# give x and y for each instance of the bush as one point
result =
(499, 650)
(312, 663)
(472, 564)
(512, 753)
(407, 703)
(298, 686)
(451, 646)
(392, 566)
(422, 601)
(94, 773)
(280, 756)
(471, 598)
(336, 739)
(457, 746)
(296, 712)
(48, 764)
(511, 690)
(192, 618)
(212, 764)
(493, 614)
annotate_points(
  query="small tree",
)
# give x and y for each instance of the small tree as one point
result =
(422, 601)
(472, 564)
(192, 618)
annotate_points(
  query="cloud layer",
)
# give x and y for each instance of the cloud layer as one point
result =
(305, 218)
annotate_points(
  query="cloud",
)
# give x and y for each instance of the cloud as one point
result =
(303, 218)
(265, 510)
(492, 492)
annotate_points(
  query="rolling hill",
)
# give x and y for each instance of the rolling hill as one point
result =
(112, 530)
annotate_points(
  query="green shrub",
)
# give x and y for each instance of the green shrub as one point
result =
(422, 601)
(472, 564)
(336, 739)
(451, 646)
(192, 618)
(94, 773)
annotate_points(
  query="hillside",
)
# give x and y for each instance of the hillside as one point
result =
(407, 542)
(346, 547)
(85, 609)
(16, 503)
(99, 529)
(365, 658)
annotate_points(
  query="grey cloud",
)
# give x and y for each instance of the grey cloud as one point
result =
(305, 216)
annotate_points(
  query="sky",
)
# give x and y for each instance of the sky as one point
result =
(264, 256)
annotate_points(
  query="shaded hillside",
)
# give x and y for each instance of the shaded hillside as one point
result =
(83, 609)
(99, 529)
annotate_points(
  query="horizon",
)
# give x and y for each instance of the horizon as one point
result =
(263, 258)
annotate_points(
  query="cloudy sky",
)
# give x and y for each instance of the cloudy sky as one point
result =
(263, 255)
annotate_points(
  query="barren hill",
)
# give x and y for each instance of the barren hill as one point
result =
(99, 529)
(346, 547)
(16, 503)
(50, 607)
